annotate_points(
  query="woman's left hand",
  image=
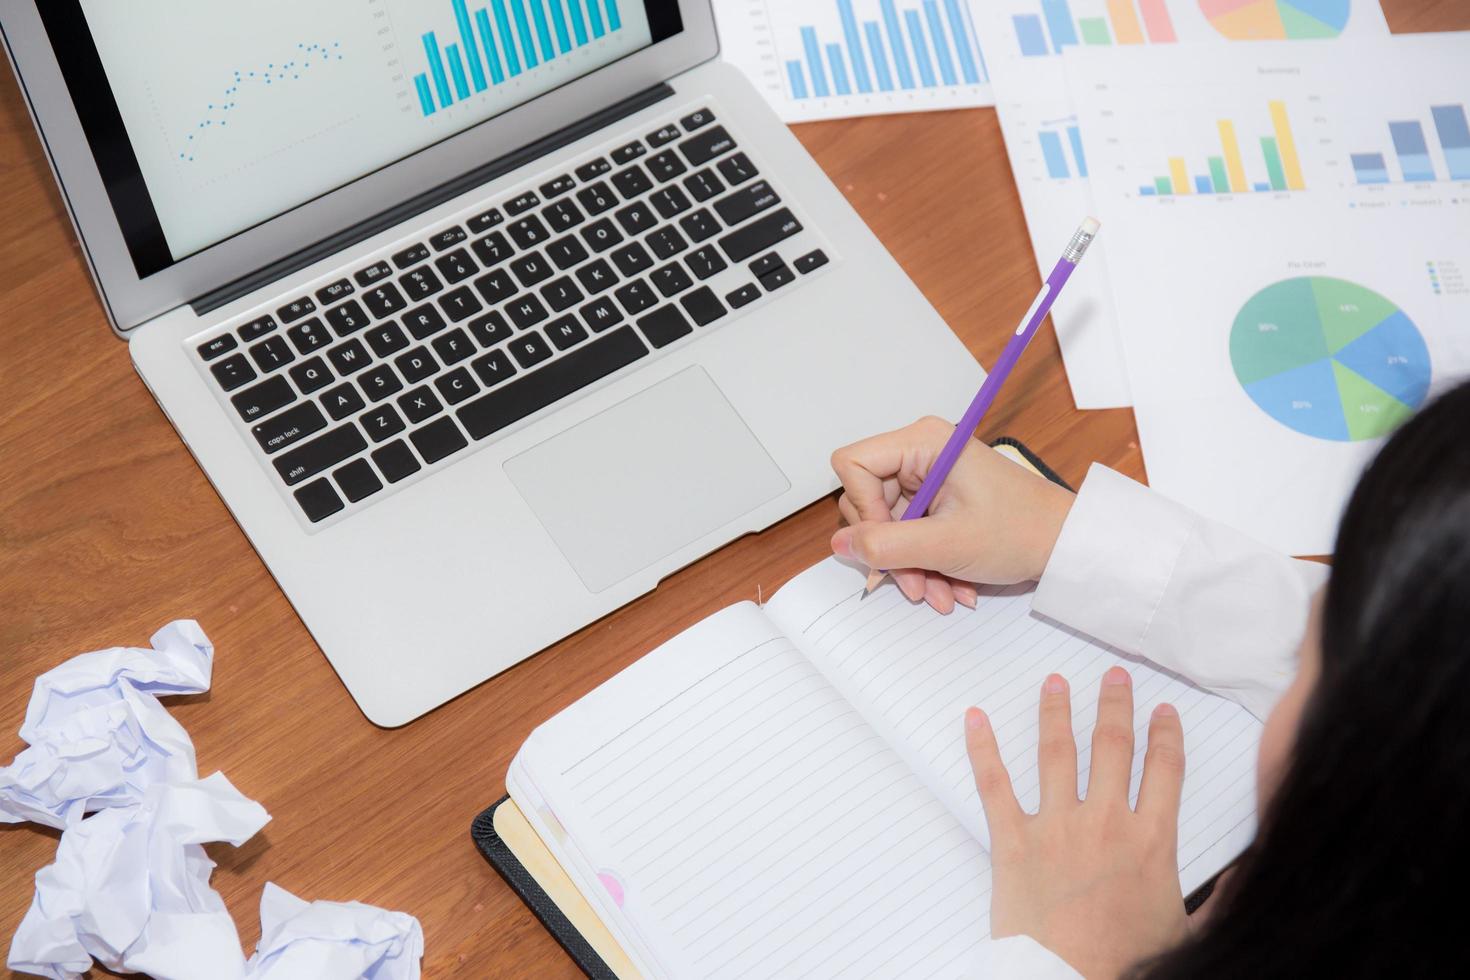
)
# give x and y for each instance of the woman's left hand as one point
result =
(1093, 880)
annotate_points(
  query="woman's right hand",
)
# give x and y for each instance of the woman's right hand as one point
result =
(992, 522)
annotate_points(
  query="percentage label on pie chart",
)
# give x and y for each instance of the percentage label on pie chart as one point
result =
(1329, 358)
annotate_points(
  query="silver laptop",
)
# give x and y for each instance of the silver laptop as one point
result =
(482, 316)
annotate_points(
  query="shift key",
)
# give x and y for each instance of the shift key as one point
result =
(760, 235)
(321, 453)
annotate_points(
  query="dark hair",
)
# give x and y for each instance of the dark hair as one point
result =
(1362, 863)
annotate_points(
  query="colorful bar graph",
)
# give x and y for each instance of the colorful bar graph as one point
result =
(1412, 151)
(880, 60)
(921, 49)
(1370, 168)
(1051, 152)
(559, 24)
(839, 69)
(854, 46)
(523, 31)
(814, 62)
(1290, 162)
(1202, 184)
(543, 29)
(426, 99)
(456, 71)
(1030, 35)
(579, 26)
(1074, 136)
(1233, 164)
(1224, 173)
(1125, 23)
(1178, 175)
(507, 41)
(487, 41)
(912, 44)
(467, 45)
(941, 46)
(1162, 186)
(1218, 175)
(1058, 16)
(1454, 138)
(1156, 19)
(1095, 32)
(972, 62)
(798, 80)
(436, 68)
(895, 42)
(1274, 170)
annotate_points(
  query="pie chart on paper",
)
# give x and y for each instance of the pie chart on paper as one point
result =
(1275, 20)
(1329, 358)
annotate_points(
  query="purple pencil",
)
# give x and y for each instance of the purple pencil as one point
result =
(970, 421)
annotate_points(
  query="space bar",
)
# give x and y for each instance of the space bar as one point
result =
(555, 381)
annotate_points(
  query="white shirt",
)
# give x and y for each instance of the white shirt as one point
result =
(1143, 574)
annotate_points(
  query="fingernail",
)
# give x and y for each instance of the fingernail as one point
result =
(965, 597)
(1165, 711)
(1055, 684)
(974, 719)
(842, 543)
(912, 591)
(1116, 676)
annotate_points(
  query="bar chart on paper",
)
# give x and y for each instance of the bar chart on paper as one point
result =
(1410, 150)
(1273, 157)
(824, 59)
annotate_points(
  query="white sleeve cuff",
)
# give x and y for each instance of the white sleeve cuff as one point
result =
(1020, 957)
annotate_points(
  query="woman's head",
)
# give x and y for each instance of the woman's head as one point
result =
(1366, 767)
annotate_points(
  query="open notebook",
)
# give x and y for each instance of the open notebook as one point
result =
(783, 790)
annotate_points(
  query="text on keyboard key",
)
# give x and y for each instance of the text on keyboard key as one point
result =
(342, 401)
(289, 428)
(760, 235)
(705, 146)
(334, 291)
(311, 375)
(262, 399)
(323, 452)
(222, 344)
(272, 353)
(256, 328)
(747, 202)
(296, 309)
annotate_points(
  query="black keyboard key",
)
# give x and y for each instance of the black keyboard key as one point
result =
(343, 401)
(311, 375)
(421, 283)
(601, 313)
(318, 500)
(357, 480)
(602, 235)
(595, 277)
(636, 218)
(597, 198)
(704, 184)
(636, 296)
(456, 266)
(424, 321)
(707, 145)
(380, 382)
(509, 404)
(670, 202)
(494, 367)
(530, 349)
(563, 215)
(448, 238)
(412, 255)
(484, 221)
(372, 274)
(632, 259)
(743, 296)
(557, 186)
(760, 235)
(453, 347)
(257, 328)
(438, 440)
(420, 404)
(296, 309)
(347, 318)
(522, 203)
(811, 262)
(289, 428)
(272, 353)
(667, 242)
(526, 311)
(416, 365)
(387, 338)
(666, 166)
(632, 182)
(531, 269)
(747, 202)
(456, 386)
(769, 262)
(308, 335)
(496, 286)
(561, 293)
(222, 344)
(593, 169)
(700, 225)
(334, 291)
(737, 169)
(348, 357)
(264, 398)
(696, 119)
(567, 252)
(492, 249)
(460, 304)
(384, 300)
(629, 153)
(665, 134)
(383, 422)
(703, 306)
(671, 279)
(664, 326)
(396, 461)
(528, 231)
(566, 332)
(490, 329)
(777, 278)
(705, 262)
(323, 452)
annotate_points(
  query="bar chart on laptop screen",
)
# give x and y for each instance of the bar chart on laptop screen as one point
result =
(821, 59)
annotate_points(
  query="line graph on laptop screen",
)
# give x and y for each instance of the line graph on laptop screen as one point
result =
(238, 112)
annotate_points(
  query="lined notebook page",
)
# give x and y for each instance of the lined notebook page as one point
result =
(912, 672)
(743, 819)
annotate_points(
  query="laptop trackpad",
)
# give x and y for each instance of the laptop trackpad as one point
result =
(648, 476)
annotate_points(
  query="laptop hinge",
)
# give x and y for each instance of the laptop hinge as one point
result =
(484, 173)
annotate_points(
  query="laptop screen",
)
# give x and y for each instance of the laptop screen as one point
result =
(207, 117)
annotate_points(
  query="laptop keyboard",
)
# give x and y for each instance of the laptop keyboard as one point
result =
(403, 363)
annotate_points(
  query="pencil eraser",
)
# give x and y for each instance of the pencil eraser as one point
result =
(1091, 225)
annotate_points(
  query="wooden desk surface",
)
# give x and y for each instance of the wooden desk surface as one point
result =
(108, 531)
